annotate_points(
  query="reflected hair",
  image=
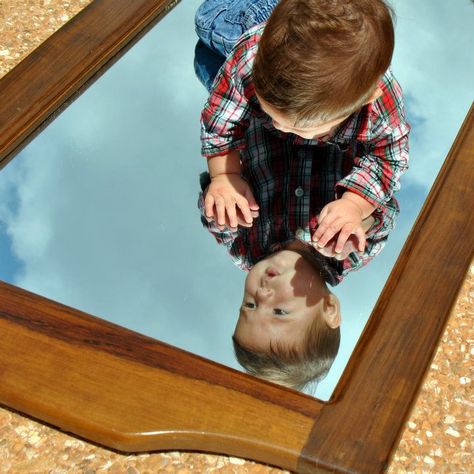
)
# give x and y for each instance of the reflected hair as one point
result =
(290, 367)
(321, 60)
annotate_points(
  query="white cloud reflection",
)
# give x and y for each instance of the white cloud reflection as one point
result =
(100, 209)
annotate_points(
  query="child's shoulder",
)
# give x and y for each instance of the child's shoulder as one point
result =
(246, 46)
(391, 97)
(240, 61)
(251, 37)
(388, 111)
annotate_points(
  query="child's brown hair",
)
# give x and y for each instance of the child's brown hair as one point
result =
(292, 367)
(320, 60)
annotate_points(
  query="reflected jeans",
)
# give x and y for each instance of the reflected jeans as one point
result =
(219, 24)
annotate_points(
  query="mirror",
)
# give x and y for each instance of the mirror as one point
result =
(99, 211)
(133, 393)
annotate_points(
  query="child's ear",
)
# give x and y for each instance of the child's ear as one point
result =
(332, 311)
(375, 95)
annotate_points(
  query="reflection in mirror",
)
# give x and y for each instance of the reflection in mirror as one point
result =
(298, 148)
(99, 211)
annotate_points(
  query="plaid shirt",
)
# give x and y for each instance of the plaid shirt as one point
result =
(293, 178)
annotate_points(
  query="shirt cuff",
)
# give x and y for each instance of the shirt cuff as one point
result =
(208, 151)
(346, 185)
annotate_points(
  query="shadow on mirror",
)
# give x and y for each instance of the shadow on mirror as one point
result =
(99, 211)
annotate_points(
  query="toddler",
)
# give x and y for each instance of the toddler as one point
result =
(305, 137)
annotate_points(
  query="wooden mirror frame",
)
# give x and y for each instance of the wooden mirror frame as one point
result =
(132, 393)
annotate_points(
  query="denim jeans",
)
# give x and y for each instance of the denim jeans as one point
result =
(219, 24)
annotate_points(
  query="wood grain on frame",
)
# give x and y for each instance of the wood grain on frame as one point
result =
(34, 91)
(379, 386)
(133, 393)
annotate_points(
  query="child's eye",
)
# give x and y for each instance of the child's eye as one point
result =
(280, 312)
(250, 305)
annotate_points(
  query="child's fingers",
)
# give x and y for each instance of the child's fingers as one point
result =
(361, 237)
(241, 221)
(252, 203)
(327, 251)
(243, 205)
(209, 206)
(231, 213)
(344, 234)
(220, 210)
(324, 221)
(326, 231)
(322, 214)
(327, 236)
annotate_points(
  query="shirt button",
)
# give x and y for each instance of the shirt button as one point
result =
(299, 191)
(300, 233)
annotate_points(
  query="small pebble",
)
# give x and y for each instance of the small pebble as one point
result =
(429, 461)
(452, 432)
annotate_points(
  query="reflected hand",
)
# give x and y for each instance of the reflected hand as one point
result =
(240, 221)
(351, 245)
(229, 201)
(341, 218)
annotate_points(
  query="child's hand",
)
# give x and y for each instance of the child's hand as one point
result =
(240, 221)
(342, 216)
(329, 250)
(229, 201)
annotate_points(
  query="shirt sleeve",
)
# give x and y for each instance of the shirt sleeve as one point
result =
(376, 174)
(225, 117)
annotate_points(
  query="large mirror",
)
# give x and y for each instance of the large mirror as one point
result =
(99, 211)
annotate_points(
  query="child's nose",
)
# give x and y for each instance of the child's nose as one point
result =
(266, 280)
(264, 293)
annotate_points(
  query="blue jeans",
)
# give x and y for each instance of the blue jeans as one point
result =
(219, 24)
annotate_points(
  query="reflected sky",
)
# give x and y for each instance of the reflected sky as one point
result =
(99, 211)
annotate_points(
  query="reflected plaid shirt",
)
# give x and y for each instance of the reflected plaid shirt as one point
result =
(293, 178)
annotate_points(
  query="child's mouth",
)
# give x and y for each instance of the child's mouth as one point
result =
(272, 272)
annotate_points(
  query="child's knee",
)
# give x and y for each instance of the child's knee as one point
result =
(259, 11)
(207, 13)
(207, 19)
(219, 23)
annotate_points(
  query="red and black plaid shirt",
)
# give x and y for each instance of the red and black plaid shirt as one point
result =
(293, 178)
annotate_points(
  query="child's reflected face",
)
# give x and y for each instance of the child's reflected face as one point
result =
(286, 125)
(282, 296)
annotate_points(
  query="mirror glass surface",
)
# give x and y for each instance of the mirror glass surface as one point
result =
(99, 211)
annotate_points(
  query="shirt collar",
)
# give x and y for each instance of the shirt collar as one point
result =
(354, 128)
